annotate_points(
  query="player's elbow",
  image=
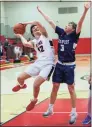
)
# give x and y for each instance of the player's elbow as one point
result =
(78, 30)
(37, 23)
(52, 24)
(79, 27)
(50, 21)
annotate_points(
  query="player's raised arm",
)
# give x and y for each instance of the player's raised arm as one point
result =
(41, 27)
(47, 18)
(79, 25)
(24, 41)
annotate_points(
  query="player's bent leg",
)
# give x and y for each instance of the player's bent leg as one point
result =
(73, 115)
(52, 100)
(31, 70)
(20, 85)
(54, 92)
(36, 88)
(22, 77)
(57, 79)
(71, 89)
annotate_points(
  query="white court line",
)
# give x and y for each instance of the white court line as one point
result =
(54, 112)
(43, 112)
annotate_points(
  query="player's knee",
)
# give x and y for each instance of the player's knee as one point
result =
(36, 87)
(55, 87)
(71, 89)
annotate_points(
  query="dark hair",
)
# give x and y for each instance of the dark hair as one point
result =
(74, 25)
(31, 29)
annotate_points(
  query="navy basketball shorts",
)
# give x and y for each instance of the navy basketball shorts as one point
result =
(64, 74)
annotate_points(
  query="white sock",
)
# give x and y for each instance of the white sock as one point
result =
(51, 106)
(73, 110)
(20, 84)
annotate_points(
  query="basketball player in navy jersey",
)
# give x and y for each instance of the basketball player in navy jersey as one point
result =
(64, 70)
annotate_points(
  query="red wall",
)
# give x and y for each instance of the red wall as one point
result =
(84, 46)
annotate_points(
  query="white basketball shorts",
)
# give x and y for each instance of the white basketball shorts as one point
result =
(40, 68)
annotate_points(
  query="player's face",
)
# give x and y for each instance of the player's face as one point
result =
(69, 28)
(36, 31)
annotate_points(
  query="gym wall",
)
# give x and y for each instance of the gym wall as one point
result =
(26, 11)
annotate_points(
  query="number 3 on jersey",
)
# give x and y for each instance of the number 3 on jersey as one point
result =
(62, 47)
(40, 48)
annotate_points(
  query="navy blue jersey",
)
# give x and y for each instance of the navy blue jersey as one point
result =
(66, 45)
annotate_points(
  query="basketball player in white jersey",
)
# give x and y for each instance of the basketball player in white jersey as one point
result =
(42, 67)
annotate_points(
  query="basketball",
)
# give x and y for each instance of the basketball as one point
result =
(19, 28)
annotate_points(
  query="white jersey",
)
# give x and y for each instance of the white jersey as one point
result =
(43, 66)
(44, 48)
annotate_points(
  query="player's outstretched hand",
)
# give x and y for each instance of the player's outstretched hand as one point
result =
(38, 8)
(87, 5)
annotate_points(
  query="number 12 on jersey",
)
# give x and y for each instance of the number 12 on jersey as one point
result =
(40, 48)
(62, 47)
